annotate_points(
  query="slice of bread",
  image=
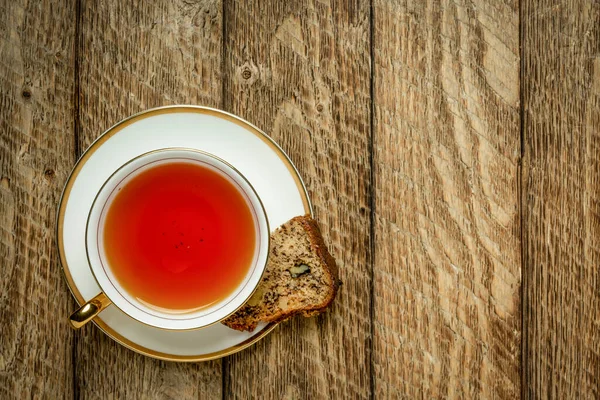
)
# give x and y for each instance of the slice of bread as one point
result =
(300, 277)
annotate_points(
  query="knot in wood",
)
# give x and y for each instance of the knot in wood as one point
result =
(49, 173)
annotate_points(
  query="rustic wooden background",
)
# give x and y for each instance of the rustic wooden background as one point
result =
(451, 148)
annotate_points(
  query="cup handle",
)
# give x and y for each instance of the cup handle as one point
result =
(89, 310)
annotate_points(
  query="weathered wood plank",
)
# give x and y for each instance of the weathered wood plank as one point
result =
(561, 201)
(447, 274)
(36, 155)
(301, 72)
(134, 56)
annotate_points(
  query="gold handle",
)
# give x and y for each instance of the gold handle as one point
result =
(89, 310)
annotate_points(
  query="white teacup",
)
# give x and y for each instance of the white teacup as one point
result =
(113, 293)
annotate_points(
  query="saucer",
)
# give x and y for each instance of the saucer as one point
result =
(248, 149)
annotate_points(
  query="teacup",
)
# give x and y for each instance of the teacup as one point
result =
(116, 286)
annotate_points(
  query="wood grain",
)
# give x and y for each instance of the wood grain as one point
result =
(134, 56)
(480, 119)
(36, 154)
(301, 72)
(447, 319)
(561, 202)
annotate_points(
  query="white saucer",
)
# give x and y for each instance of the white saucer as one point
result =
(254, 154)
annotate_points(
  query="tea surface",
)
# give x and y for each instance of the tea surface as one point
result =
(179, 236)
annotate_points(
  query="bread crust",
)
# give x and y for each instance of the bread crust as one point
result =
(318, 243)
(311, 228)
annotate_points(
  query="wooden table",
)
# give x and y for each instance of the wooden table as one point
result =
(451, 149)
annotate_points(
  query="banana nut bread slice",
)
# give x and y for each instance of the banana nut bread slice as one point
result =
(300, 277)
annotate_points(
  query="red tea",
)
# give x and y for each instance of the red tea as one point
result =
(179, 236)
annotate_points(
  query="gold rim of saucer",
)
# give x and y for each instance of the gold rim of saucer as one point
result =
(73, 176)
